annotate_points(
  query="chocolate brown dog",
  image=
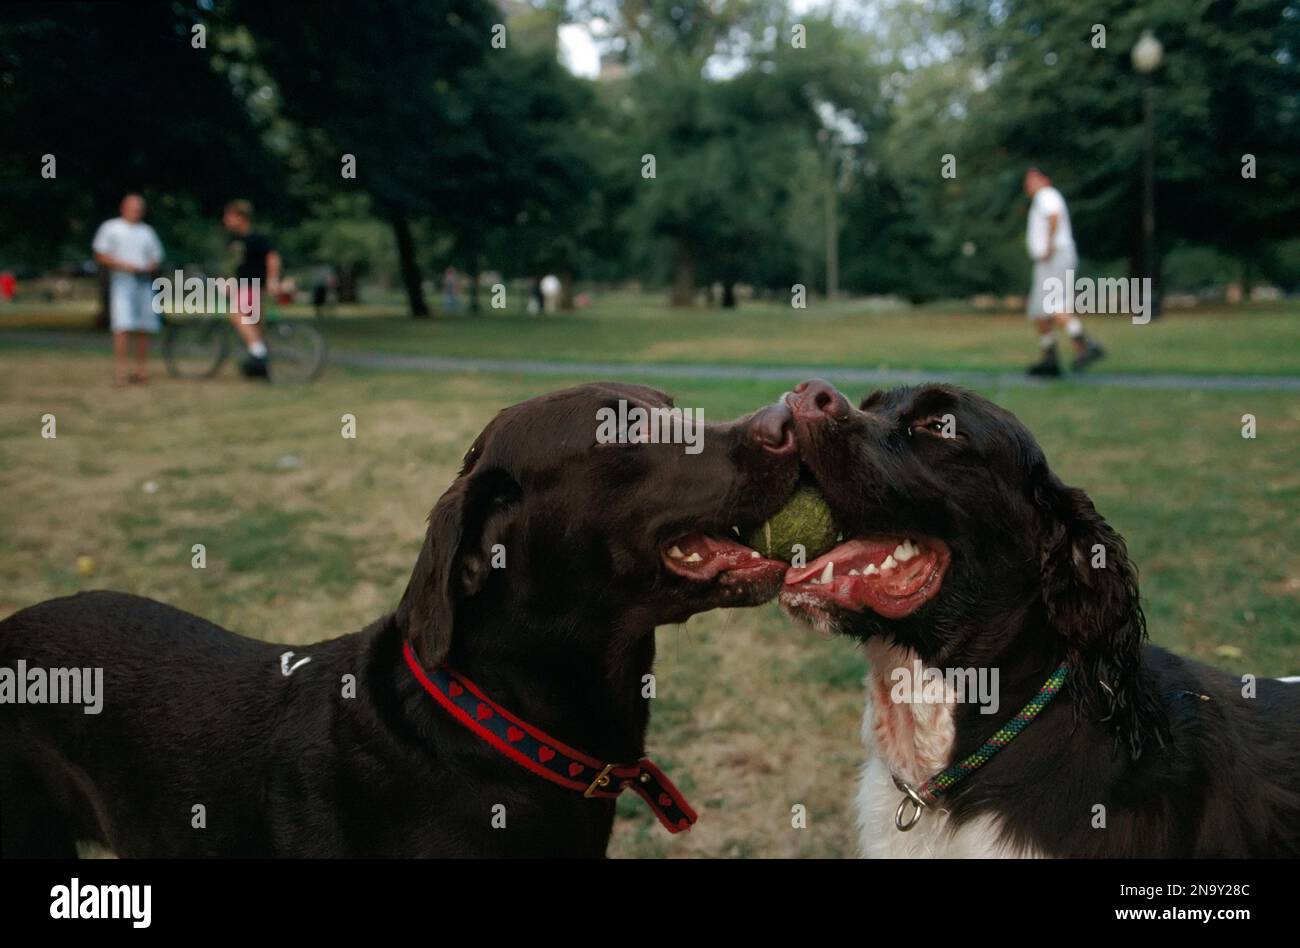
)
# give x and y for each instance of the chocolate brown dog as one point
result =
(546, 567)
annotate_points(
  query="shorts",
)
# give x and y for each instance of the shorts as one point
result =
(130, 304)
(1047, 298)
(248, 303)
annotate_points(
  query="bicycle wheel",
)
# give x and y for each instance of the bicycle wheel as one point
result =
(297, 352)
(195, 348)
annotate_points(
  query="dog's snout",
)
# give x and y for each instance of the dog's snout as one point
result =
(817, 400)
(772, 429)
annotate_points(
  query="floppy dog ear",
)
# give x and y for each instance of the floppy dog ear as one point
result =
(1090, 591)
(453, 562)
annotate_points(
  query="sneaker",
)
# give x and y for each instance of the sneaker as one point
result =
(255, 368)
(1047, 366)
(1088, 356)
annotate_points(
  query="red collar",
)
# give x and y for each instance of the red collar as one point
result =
(544, 755)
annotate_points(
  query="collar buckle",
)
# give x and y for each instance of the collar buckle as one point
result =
(601, 782)
(543, 755)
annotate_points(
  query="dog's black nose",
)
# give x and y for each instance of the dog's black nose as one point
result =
(817, 400)
(772, 429)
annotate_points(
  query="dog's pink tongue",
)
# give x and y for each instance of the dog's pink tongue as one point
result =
(863, 573)
(701, 556)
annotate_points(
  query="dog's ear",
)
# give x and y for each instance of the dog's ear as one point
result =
(1090, 593)
(871, 399)
(454, 561)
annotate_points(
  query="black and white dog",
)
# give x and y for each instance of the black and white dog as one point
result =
(967, 552)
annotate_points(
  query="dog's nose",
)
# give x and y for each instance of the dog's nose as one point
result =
(817, 400)
(772, 429)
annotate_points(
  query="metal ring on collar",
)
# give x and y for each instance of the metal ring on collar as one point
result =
(910, 797)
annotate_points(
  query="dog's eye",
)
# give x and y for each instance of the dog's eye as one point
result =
(945, 426)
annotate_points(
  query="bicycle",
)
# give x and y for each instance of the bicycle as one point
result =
(194, 347)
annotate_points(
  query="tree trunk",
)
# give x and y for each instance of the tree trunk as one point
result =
(347, 287)
(1157, 271)
(1136, 266)
(566, 291)
(411, 277)
(728, 294)
(832, 241)
(683, 293)
(101, 318)
(473, 289)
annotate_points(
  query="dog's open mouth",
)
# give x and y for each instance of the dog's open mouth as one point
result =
(892, 576)
(703, 558)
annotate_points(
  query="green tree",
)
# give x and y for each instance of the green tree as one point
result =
(1228, 87)
(532, 202)
(123, 100)
(732, 102)
(390, 95)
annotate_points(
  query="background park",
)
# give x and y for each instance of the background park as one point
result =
(794, 145)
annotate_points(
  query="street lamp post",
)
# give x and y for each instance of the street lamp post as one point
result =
(829, 142)
(1146, 55)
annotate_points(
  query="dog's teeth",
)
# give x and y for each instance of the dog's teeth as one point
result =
(905, 551)
(676, 553)
(854, 572)
(735, 529)
(889, 563)
(839, 537)
(871, 569)
(754, 555)
(828, 573)
(694, 558)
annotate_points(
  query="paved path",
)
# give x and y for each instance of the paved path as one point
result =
(773, 373)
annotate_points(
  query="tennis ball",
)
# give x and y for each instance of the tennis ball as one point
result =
(85, 565)
(804, 519)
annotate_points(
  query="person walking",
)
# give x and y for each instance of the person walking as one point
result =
(1050, 242)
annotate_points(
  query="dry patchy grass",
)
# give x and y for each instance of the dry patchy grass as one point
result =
(753, 714)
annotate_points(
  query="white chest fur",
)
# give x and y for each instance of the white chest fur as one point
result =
(913, 740)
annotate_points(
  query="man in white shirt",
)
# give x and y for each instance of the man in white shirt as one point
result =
(130, 250)
(1050, 243)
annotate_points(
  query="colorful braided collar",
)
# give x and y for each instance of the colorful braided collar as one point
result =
(546, 757)
(922, 797)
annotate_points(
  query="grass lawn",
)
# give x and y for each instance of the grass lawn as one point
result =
(309, 535)
(1254, 339)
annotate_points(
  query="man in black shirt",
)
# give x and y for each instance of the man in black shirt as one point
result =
(258, 271)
